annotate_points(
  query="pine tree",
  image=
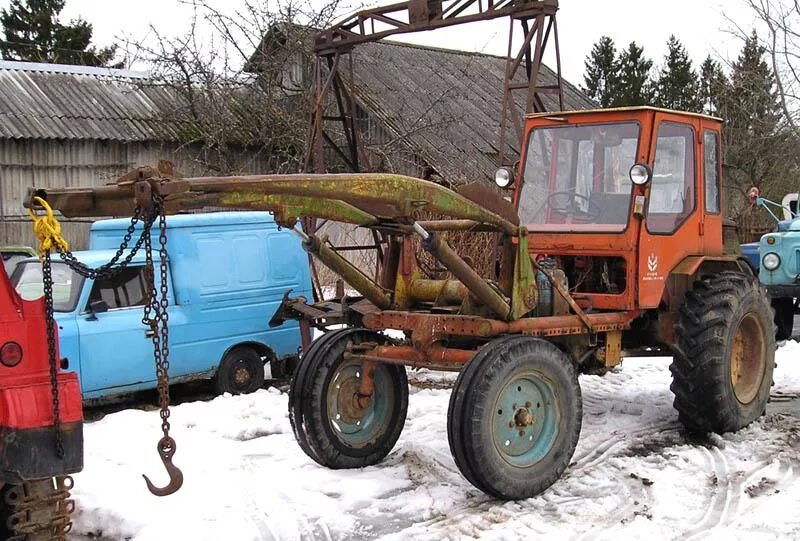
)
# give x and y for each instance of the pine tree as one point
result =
(677, 86)
(713, 87)
(34, 33)
(600, 80)
(634, 86)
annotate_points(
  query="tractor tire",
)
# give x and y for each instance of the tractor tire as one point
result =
(725, 354)
(332, 428)
(784, 317)
(515, 417)
(240, 372)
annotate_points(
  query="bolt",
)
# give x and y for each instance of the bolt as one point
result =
(521, 433)
(527, 404)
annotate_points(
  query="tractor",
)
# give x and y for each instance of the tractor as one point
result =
(609, 240)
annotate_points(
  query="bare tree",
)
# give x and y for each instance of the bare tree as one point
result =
(230, 86)
(781, 40)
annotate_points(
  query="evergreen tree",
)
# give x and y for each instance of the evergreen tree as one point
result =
(758, 151)
(713, 86)
(600, 79)
(34, 33)
(634, 86)
(677, 86)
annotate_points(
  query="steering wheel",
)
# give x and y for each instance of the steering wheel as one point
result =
(569, 206)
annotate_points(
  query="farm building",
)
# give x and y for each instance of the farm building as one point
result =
(423, 111)
(78, 126)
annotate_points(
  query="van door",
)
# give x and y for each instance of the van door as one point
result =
(114, 347)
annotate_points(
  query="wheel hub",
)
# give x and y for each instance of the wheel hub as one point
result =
(524, 420)
(352, 406)
(241, 376)
(748, 359)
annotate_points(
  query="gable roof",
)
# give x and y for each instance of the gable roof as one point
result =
(447, 102)
(51, 101)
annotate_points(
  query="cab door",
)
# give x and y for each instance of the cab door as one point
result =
(672, 228)
(115, 347)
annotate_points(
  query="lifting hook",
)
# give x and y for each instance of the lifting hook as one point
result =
(166, 448)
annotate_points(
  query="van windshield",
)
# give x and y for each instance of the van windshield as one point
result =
(27, 279)
(576, 177)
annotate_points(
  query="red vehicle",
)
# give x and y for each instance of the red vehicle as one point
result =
(41, 423)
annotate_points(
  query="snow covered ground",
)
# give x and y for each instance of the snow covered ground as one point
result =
(635, 474)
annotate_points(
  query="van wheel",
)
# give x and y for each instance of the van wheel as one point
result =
(240, 372)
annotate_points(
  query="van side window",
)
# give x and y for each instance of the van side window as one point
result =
(672, 197)
(711, 168)
(123, 290)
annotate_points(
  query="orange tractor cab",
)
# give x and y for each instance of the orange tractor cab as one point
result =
(41, 423)
(613, 241)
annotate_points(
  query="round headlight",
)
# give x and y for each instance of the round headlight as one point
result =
(503, 177)
(640, 174)
(771, 261)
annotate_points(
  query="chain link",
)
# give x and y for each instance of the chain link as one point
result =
(47, 286)
(156, 316)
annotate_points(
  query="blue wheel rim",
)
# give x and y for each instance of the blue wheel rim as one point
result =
(354, 425)
(525, 419)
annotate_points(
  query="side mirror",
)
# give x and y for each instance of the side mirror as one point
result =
(98, 307)
(641, 174)
(753, 195)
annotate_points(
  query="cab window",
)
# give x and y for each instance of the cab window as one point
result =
(672, 194)
(711, 171)
(123, 290)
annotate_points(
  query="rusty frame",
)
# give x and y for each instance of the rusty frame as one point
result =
(333, 69)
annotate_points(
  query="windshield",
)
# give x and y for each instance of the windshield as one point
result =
(27, 279)
(576, 177)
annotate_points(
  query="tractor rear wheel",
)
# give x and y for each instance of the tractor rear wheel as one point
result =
(332, 424)
(725, 354)
(515, 417)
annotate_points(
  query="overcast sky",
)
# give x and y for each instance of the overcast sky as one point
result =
(700, 24)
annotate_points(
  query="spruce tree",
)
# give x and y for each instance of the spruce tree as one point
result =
(677, 86)
(600, 79)
(633, 86)
(34, 33)
(713, 87)
(758, 151)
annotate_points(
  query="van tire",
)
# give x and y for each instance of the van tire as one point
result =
(240, 372)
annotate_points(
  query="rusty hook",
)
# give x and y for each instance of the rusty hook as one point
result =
(166, 448)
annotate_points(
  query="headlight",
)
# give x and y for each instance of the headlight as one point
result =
(640, 174)
(504, 177)
(771, 261)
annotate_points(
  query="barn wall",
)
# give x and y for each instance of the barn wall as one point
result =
(25, 163)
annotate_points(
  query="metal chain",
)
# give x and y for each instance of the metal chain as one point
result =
(40, 509)
(108, 270)
(47, 286)
(156, 315)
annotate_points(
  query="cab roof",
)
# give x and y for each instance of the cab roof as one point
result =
(620, 110)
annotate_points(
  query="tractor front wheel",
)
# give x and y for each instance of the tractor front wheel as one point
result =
(515, 417)
(333, 424)
(725, 354)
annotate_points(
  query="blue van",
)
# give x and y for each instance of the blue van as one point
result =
(228, 272)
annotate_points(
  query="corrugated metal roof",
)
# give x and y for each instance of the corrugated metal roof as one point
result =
(49, 101)
(447, 103)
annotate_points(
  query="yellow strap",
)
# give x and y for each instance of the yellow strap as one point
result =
(47, 228)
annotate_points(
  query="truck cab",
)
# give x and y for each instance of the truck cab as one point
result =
(227, 275)
(625, 200)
